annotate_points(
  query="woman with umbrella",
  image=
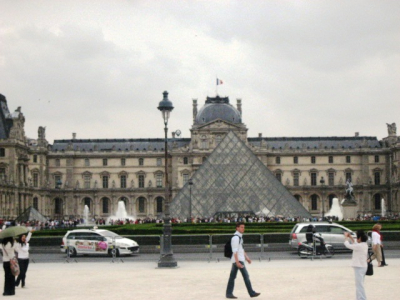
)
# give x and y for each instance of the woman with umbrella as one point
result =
(7, 247)
(22, 248)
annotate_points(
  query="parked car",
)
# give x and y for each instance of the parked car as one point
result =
(97, 241)
(332, 233)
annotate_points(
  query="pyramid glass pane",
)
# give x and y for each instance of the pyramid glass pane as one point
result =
(234, 180)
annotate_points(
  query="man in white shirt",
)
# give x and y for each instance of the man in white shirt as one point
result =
(237, 260)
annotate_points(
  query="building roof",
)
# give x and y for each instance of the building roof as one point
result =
(318, 142)
(218, 108)
(271, 143)
(116, 144)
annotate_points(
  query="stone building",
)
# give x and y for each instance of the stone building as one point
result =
(59, 179)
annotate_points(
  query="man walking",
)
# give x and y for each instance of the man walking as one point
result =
(237, 260)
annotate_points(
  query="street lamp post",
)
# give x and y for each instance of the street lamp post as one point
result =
(167, 259)
(190, 182)
(322, 181)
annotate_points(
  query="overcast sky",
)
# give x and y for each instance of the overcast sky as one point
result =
(301, 68)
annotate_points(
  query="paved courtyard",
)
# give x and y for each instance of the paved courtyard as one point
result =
(280, 279)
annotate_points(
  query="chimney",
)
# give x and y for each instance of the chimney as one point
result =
(194, 109)
(239, 105)
(260, 135)
(173, 134)
(357, 134)
(73, 135)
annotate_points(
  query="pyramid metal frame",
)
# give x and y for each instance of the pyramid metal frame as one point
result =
(234, 181)
(31, 214)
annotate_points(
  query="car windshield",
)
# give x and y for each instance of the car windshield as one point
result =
(110, 234)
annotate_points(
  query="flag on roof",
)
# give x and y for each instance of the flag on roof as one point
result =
(219, 81)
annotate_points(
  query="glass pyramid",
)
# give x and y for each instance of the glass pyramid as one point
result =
(233, 181)
(30, 214)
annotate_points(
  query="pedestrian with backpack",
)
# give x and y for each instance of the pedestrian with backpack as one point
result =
(237, 259)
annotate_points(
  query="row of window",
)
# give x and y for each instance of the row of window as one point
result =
(331, 178)
(123, 161)
(105, 180)
(314, 159)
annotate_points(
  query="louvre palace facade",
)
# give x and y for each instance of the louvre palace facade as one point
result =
(59, 179)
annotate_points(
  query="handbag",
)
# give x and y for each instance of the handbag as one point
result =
(14, 266)
(370, 268)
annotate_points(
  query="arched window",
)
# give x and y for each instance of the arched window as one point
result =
(314, 202)
(159, 204)
(105, 182)
(105, 205)
(159, 180)
(124, 199)
(123, 181)
(141, 181)
(87, 201)
(204, 142)
(58, 206)
(378, 201)
(36, 203)
(298, 197)
(330, 197)
(377, 178)
(142, 204)
(278, 176)
(35, 179)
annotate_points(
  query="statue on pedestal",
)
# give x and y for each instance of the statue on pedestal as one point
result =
(349, 197)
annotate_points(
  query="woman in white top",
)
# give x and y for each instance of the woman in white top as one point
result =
(376, 244)
(359, 260)
(7, 248)
(22, 248)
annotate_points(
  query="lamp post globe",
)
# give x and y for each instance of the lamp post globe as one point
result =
(167, 259)
(165, 106)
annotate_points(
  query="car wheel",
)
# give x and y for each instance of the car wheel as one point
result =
(329, 251)
(72, 251)
(303, 252)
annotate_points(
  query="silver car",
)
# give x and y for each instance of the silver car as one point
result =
(332, 233)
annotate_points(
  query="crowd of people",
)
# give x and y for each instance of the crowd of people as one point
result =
(55, 223)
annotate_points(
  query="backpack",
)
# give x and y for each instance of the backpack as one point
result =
(228, 247)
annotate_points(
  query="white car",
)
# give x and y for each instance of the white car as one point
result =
(332, 233)
(97, 241)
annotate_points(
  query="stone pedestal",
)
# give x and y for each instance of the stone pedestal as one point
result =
(350, 209)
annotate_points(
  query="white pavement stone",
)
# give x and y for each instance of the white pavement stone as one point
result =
(291, 279)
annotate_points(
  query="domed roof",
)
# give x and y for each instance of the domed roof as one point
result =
(218, 108)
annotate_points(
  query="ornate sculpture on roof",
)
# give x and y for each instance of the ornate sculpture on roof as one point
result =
(391, 129)
(41, 132)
